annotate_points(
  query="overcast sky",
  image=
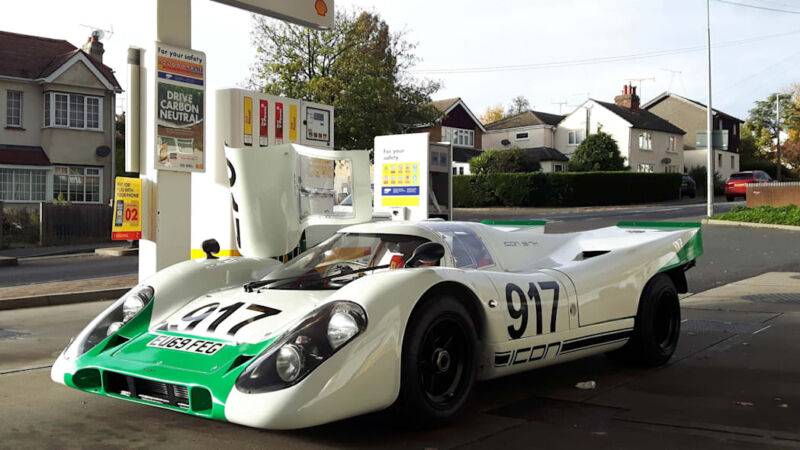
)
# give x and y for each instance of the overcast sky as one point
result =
(490, 51)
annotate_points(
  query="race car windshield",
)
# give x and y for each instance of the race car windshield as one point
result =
(343, 258)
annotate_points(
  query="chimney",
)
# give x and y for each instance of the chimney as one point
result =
(628, 99)
(94, 47)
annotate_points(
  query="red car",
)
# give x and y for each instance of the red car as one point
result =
(736, 186)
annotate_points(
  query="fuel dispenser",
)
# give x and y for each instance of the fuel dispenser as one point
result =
(257, 125)
(413, 178)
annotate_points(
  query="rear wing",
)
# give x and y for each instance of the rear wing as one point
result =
(686, 253)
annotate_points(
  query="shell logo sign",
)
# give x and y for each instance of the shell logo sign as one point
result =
(321, 7)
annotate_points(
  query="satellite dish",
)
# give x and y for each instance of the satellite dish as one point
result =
(103, 151)
(98, 34)
(505, 142)
(666, 161)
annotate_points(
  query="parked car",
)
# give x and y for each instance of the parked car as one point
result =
(736, 186)
(688, 186)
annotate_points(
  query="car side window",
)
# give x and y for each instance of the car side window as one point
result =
(467, 247)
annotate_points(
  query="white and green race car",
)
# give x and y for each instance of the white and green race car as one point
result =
(382, 314)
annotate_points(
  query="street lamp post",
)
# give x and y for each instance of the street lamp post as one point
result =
(709, 119)
(778, 134)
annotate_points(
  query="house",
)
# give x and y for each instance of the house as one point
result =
(459, 126)
(534, 131)
(691, 116)
(56, 120)
(648, 142)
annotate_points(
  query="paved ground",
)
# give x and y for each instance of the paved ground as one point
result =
(733, 383)
(69, 267)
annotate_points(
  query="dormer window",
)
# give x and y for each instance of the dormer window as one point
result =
(459, 136)
(75, 111)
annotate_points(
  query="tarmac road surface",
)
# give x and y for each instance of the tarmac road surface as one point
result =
(732, 384)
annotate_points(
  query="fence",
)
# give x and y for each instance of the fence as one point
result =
(74, 224)
(773, 194)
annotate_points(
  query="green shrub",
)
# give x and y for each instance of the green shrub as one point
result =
(564, 188)
(779, 215)
(698, 174)
(599, 151)
(514, 160)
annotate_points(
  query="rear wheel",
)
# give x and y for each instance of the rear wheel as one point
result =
(438, 362)
(657, 326)
(730, 198)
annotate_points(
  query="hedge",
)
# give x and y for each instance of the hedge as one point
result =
(564, 188)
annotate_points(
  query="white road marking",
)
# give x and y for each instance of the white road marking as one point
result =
(759, 331)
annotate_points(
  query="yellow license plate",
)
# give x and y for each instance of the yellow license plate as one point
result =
(739, 184)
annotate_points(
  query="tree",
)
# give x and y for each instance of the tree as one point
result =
(518, 104)
(514, 160)
(492, 114)
(598, 151)
(359, 66)
(762, 122)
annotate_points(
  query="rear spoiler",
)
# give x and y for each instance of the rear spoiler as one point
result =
(686, 254)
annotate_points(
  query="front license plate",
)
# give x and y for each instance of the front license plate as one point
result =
(738, 184)
(185, 344)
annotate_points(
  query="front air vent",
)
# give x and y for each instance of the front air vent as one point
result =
(582, 256)
(148, 390)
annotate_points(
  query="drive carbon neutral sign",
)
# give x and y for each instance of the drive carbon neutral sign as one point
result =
(127, 223)
(180, 109)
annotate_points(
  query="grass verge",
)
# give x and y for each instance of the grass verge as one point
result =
(777, 215)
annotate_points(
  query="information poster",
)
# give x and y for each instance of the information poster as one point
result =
(180, 109)
(248, 121)
(400, 186)
(263, 123)
(127, 209)
(292, 123)
(278, 123)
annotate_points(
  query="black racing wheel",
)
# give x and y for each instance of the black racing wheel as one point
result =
(657, 326)
(438, 362)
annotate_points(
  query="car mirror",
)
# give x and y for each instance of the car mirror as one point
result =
(210, 246)
(427, 253)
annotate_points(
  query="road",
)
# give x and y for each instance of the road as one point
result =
(730, 385)
(66, 268)
(731, 254)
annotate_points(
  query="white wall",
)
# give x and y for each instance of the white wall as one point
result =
(692, 158)
(32, 115)
(598, 115)
(538, 136)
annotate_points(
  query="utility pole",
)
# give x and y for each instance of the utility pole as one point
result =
(709, 118)
(778, 133)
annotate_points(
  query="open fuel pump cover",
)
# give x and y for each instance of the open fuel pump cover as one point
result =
(278, 192)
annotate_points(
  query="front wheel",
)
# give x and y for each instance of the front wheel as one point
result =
(438, 362)
(657, 325)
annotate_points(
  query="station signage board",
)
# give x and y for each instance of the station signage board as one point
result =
(180, 109)
(317, 14)
(127, 223)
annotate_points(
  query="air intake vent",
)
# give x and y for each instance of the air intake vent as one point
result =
(590, 254)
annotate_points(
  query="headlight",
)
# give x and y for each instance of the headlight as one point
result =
(110, 321)
(304, 347)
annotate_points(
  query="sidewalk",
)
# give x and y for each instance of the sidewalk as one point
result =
(64, 292)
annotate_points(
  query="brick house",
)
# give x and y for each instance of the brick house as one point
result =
(459, 126)
(56, 122)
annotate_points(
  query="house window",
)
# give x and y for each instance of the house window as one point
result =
(719, 159)
(558, 168)
(574, 137)
(671, 144)
(522, 136)
(646, 168)
(77, 184)
(646, 141)
(27, 185)
(671, 169)
(77, 111)
(732, 161)
(459, 136)
(735, 129)
(14, 108)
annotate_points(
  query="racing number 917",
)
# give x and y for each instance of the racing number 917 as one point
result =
(514, 292)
